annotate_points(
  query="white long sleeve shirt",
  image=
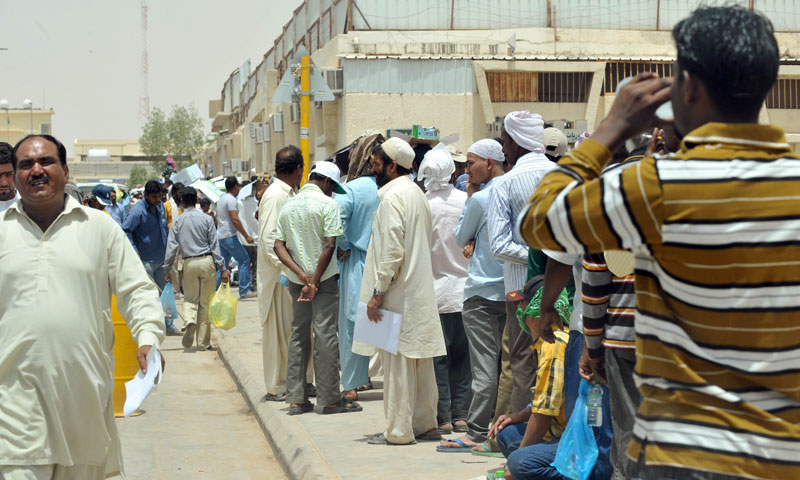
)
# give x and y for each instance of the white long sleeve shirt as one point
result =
(56, 362)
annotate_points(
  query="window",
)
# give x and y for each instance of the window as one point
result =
(552, 87)
(617, 71)
(785, 94)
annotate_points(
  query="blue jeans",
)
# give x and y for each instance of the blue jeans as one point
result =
(156, 272)
(531, 462)
(231, 247)
(604, 434)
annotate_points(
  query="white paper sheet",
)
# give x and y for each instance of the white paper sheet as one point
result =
(384, 334)
(142, 384)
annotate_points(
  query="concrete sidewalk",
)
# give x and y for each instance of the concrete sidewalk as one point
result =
(313, 446)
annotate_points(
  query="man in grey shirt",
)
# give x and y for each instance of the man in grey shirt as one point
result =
(229, 224)
(195, 234)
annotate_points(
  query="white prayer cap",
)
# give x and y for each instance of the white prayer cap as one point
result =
(526, 129)
(399, 151)
(436, 169)
(488, 148)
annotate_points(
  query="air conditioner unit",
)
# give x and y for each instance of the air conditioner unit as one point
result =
(335, 79)
(259, 132)
(266, 132)
(236, 165)
(295, 112)
(253, 128)
(44, 129)
(277, 122)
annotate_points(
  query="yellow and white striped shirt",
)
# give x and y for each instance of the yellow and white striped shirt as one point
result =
(715, 230)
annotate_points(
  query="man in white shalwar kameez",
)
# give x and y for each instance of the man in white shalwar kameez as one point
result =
(398, 277)
(60, 263)
(274, 300)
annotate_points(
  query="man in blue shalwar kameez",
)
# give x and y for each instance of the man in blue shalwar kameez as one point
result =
(357, 209)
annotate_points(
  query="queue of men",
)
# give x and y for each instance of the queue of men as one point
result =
(670, 279)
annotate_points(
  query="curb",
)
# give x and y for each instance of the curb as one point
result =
(299, 459)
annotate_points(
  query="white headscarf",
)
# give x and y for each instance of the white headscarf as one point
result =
(526, 129)
(436, 168)
(488, 148)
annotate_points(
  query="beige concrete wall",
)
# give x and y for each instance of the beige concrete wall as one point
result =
(548, 111)
(449, 113)
(16, 123)
(115, 147)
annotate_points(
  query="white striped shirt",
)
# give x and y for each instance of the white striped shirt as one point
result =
(507, 199)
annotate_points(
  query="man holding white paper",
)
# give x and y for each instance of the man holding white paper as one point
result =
(61, 262)
(398, 277)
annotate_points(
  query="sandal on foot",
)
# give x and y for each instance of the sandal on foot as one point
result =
(443, 430)
(460, 426)
(345, 406)
(429, 437)
(365, 387)
(463, 447)
(272, 397)
(483, 450)
(305, 408)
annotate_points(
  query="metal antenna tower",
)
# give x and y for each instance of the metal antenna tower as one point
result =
(144, 94)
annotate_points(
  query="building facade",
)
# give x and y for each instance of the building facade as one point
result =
(461, 65)
(16, 123)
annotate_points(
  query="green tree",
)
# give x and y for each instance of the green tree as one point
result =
(179, 136)
(139, 175)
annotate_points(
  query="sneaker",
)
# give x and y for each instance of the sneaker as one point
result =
(188, 335)
(248, 295)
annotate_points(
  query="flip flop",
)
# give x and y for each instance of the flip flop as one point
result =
(272, 397)
(463, 448)
(483, 451)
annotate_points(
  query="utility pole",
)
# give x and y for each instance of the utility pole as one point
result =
(305, 101)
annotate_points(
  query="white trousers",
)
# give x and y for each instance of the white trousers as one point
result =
(51, 472)
(410, 396)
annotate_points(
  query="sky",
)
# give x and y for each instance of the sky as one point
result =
(82, 57)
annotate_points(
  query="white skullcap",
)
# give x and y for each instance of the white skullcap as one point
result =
(526, 129)
(436, 169)
(399, 151)
(488, 148)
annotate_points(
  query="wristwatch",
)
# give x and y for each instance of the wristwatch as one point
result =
(376, 293)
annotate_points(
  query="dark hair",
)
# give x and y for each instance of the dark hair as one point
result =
(152, 186)
(733, 52)
(420, 150)
(62, 151)
(230, 183)
(204, 202)
(178, 186)
(6, 153)
(288, 159)
(402, 170)
(189, 198)
(316, 177)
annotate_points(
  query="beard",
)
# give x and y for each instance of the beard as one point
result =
(381, 177)
(9, 194)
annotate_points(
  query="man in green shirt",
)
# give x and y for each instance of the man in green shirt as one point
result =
(305, 241)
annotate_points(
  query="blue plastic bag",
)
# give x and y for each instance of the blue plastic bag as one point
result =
(168, 302)
(577, 448)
